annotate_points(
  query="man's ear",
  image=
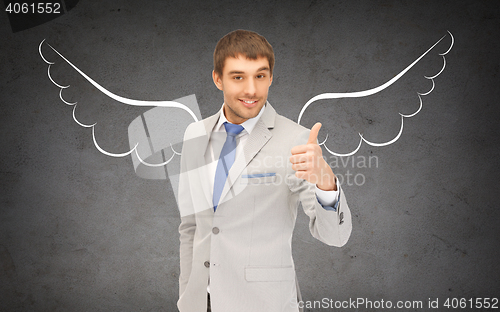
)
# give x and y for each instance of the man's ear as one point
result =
(271, 80)
(217, 80)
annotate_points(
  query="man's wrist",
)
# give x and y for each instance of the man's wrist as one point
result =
(330, 185)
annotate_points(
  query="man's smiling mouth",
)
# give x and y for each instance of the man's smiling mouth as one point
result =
(248, 103)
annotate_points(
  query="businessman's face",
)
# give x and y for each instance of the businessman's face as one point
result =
(245, 84)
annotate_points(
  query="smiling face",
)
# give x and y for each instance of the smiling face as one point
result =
(245, 84)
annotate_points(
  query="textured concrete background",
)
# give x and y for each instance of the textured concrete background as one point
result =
(79, 231)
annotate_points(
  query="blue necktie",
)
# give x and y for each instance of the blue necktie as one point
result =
(226, 160)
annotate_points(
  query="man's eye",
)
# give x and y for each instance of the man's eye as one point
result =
(260, 76)
(238, 78)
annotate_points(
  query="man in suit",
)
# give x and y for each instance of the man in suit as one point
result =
(244, 172)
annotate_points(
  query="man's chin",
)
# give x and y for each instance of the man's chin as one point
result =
(245, 112)
(253, 113)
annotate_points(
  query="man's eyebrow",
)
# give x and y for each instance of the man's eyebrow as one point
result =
(237, 72)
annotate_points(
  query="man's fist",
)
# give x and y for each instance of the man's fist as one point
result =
(307, 160)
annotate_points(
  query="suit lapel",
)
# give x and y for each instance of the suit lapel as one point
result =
(201, 158)
(256, 141)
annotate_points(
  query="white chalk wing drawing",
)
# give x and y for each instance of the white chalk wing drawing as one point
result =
(378, 89)
(162, 127)
(152, 135)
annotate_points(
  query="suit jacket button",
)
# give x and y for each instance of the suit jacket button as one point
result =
(207, 264)
(215, 230)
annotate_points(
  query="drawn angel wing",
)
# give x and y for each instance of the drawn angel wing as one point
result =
(375, 90)
(153, 136)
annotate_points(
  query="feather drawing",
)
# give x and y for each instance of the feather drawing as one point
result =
(159, 129)
(378, 89)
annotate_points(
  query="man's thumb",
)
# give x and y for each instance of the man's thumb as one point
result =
(313, 135)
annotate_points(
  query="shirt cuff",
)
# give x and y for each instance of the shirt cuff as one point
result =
(329, 200)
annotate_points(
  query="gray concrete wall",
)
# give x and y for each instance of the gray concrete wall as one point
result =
(79, 231)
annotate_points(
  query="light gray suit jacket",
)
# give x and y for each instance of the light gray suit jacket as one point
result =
(244, 248)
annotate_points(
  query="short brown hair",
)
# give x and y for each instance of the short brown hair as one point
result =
(245, 42)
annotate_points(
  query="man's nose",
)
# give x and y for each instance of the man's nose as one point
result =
(250, 87)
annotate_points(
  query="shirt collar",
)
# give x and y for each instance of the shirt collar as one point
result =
(248, 125)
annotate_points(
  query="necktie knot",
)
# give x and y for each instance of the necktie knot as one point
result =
(232, 129)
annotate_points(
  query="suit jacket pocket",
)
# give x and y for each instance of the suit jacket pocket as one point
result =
(269, 274)
(258, 178)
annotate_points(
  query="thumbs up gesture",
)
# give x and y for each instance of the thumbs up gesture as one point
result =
(308, 163)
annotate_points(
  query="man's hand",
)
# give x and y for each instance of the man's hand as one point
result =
(307, 160)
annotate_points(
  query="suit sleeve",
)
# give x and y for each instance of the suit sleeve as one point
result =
(332, 227)
(187, 227)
